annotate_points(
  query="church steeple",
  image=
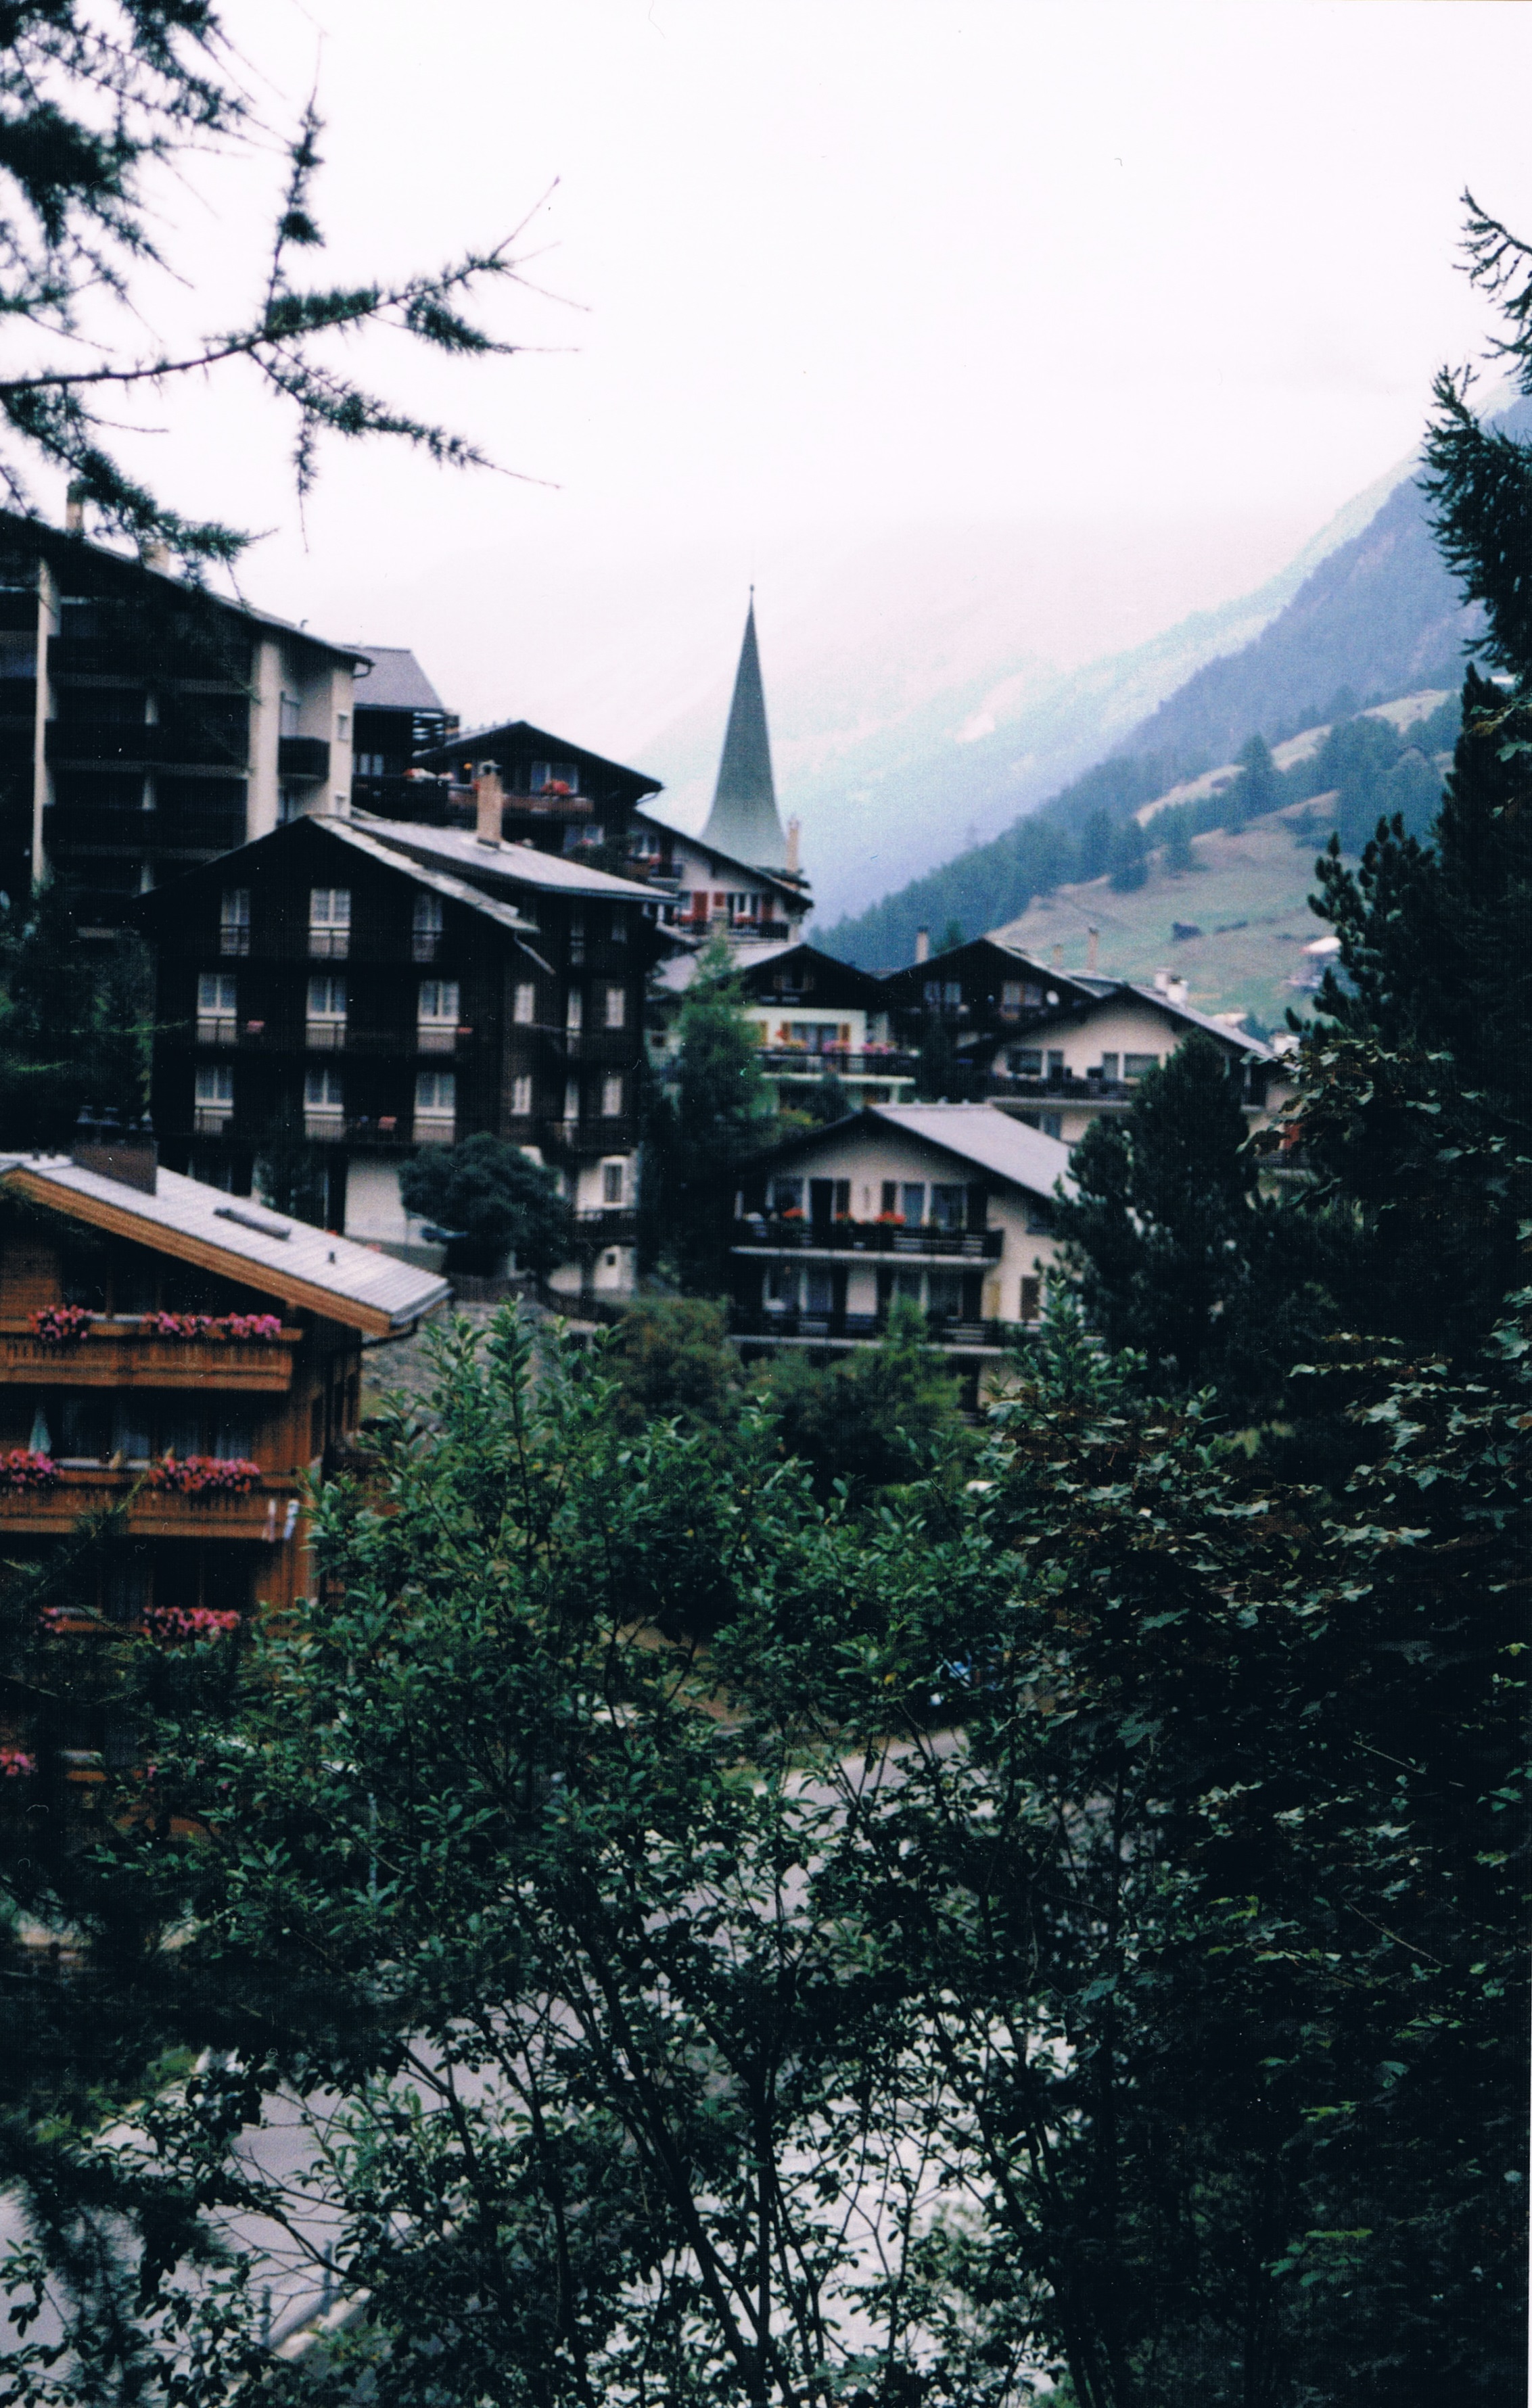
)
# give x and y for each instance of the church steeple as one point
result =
(744, 820)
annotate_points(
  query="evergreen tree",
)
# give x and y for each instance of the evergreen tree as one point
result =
(1130, 857)
(1257, 789)
(75, 1020)
(1095, 845)
(1173, 829)
(704, 1127)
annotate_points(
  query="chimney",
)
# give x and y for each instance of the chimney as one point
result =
(922, 944)
(1092, 951)
(794, 831)
(129, 1155)
(157, 556)
(73, 509)
(489, 803)
(1056, 958)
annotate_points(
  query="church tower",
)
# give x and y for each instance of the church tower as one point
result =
(743, 822)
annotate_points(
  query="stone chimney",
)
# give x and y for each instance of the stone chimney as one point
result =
(1092, 951)
(794, 832)
(489, 803)
(157, 556)
(922, 944)
(1056, 958)
(129, 1155)
(73, 510)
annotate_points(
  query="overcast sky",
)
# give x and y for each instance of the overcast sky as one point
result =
(855, 267)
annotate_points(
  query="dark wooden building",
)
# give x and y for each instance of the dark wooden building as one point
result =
(365, 986)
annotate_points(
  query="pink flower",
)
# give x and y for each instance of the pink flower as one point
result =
(204, 1475)
(15, 1763)
(59, 1324)
(21, 1469)
(191, 1622)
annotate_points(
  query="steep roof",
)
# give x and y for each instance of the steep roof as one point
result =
(789, 883)
(743, 819)
(978, 1134)
(517, 737)
(270, 1251)
(1239, 1037)
(356, 839)
(391, 679)
(520, 865)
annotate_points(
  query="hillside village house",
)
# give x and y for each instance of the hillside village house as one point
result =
(1086, 1058)
(188, 1354)
(815, 1018)
(950, 1205)
(372, 986)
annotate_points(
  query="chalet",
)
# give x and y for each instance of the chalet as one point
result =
(817, 1018)
(559, 797)
(976, 991)
(146, 726)
(1086, 1057)
(950, 1205)
(399, 715)
(188, 1355)
(370, 985)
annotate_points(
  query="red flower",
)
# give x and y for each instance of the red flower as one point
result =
(21, 1469)
(204, 1475)
(190, 1622)
(59, 1324)
(15, 1763)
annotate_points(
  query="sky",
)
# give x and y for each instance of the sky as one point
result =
(1138, 295)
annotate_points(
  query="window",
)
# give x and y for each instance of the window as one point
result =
(525, 1007)
(889, 1203)
(292, 710)
(1039, 1217)
(1051, 1124)
(436, 1017)
(1025, 1062)
(554, 778)
(326, 1021)
(952, 991)
(1056, 1064)
(436, 1104)
(1010, 996)
(819, 1294)
(1138, 1065)
(521, 1095)
(571, 1099)
(1110, 1064)
(289, 805)
(912, 1203)
(427, 922)
(948, 1206)
(577, 937)
(324, 1104)
(781, 1288)
(233, 920)
(944, 1294)
(617, 1006)
(619, 927)
(574, 1012)
(934, 993)
(612, 1095)
(213, 1097)
(330, 922)
(216, 1008)
(612, 1183)
(786, 1195)
(1032, 1299)
(342, 725)
(370, 764)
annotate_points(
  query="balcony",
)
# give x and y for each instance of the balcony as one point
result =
(436, 1037)
(865, 1328)
(233, 942)
(211, 1120)
(757, 1235)
(324, 1127)
(145, 744)
(608, 1224)
(796, 1062)
(324, 1036)
(217, 1029)
(303, 757)
(424, 943)
(330, 945)
(435, 1128)
(268, 1515)
(121, 1354)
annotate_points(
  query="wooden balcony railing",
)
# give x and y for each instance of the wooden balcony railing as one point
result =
(267, 1515)
(757, 1235)
(121, 1354)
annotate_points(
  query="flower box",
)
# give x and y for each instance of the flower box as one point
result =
(238, 1328)
(59, 1324)
(204, 1475)
(21, 1469)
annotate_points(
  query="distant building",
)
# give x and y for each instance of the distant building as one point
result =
(1086, 1057)
(146, 726)
(817, 1018)
(949, 1205)
(399, 716)
(365, 986)
(193, 1357)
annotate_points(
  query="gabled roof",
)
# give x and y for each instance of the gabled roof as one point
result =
(391, 679)
(515, 738)
(791, 883)
(1007, 959)
(1239, 1037)
(763, 959)
(743, 819)
(270, 1251)
(356, 839)
(977, 1134)
(519, 864)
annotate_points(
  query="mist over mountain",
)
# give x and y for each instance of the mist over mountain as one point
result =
(1377, 615)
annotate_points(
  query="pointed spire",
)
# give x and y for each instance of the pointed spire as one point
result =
(744, 820)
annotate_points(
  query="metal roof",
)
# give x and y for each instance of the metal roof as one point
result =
(395, 681)
(362, 840)
(520, 864)
(270, 1251)
(981, 1134)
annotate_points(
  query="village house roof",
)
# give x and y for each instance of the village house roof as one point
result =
(1226, 1031)
(518, 738)
(521, 865)
(388, 678)
(789, 883)
(976, 1133)
(239, 1239)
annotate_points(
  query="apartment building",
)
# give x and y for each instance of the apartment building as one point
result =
(368, 985)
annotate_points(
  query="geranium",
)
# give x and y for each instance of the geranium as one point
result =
(263, 1328)
(59, 1324)
(190, 1622)
(176, 1325)
(23, 1468)
(15, 1763)
(204, 1475)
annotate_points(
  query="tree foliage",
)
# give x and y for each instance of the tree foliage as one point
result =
(92, 102)
(76, 1020)
(489, 1198)
(702, 1125)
